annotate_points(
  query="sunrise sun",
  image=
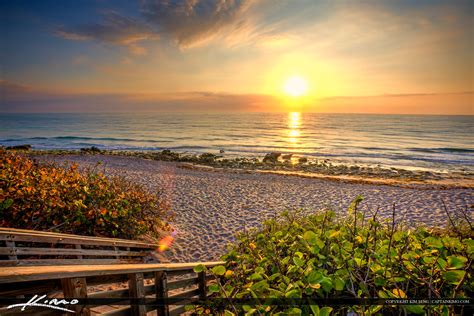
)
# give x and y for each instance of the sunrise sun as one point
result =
(295, 86)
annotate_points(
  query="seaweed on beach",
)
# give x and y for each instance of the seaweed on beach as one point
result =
(272, 162)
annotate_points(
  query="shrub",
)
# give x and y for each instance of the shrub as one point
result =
(323, 256)
(48, 197)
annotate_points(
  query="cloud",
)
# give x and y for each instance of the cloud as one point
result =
(18, 98)
(115, 29)
(401, 95)
(193, 21)
(185, 22)
(21, 98)
(7, 87)
(454, 103)
(190, 23)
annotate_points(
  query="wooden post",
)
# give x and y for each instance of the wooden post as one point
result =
(76, 288)
(136, 289)
(11, 245)
(161, 289)
(202, 285)
(79, 247)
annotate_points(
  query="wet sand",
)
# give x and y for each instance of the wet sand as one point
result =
(211, 206)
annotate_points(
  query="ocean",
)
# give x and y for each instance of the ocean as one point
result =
(441, 143)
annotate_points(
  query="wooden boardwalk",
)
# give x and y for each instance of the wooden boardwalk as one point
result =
(26, 273)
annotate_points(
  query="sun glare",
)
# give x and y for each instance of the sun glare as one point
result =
(296, 86)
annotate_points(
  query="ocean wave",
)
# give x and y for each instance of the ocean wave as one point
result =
(442, 150)
(86, 138)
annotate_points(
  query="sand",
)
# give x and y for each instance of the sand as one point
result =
(211, 206)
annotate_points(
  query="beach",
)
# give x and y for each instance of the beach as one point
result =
(212, 205)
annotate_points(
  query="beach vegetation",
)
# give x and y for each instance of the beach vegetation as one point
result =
(85, 202)
(324, 256)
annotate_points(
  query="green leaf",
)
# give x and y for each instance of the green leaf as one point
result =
(299, 262)
(470, 246)
(441, 263)
(358, 261)
(314, 277)
(218, 270)
(256, 277)
(299, 254)
(339, 284)
(213, 288)
(314, 309)
(325, 311)
(310, 237)
(228, 313)
(199, 268)
(434, 242)
(454, 277)
(383, 294)
(294, 311)
(326, 284)
(6, 204)
(250, 312)
(456, 262)
(246, 308)
(374, 309)
(354, 204)
(415, 309)
(259, 285)
(274, 276)
(294, 293)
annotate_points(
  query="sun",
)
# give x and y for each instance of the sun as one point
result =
(295, 86)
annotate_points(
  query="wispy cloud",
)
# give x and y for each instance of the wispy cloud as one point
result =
(22, 98)
(192, 21)
(115, 29)
(16, 97)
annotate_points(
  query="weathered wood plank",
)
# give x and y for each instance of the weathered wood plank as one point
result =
(122, 293)
(58, 262)
(6, 230)
(76, 288)
(11, 250)
(173, 285)
(10, 234)
(20, 251)
(187, 294)
(113, 278)
(26, 273)
(161, 290)
(177, 311)
(124, 311)
(136, 289)
(181, 272)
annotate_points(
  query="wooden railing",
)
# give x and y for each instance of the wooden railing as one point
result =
(132, 281)
(20, 247)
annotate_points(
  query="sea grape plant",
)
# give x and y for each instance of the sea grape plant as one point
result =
(357, 256)
(43, 196)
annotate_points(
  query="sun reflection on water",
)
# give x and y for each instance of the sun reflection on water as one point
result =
(294, 124)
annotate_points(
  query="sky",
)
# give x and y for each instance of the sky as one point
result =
(413, 57)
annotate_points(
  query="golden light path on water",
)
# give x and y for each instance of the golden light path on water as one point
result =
(294, 124)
